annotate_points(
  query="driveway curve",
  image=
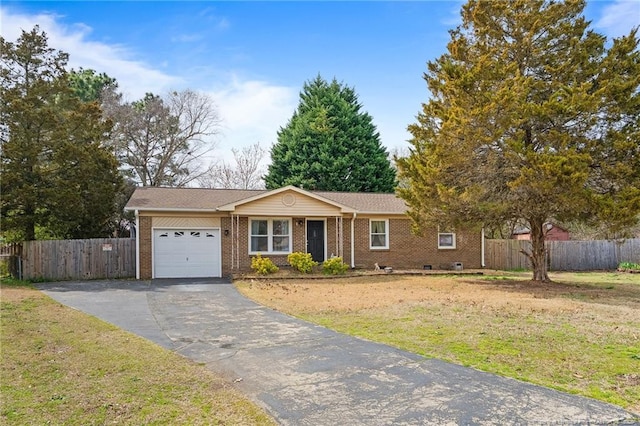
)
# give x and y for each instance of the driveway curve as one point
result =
(303, 374)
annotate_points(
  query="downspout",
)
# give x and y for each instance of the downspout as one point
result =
(137, 245)
(353, 247)
(482, 249)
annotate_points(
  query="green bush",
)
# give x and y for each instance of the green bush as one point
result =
(334, 266)
(263, 265)
(629, 266)
(302, 262)
(4, 267)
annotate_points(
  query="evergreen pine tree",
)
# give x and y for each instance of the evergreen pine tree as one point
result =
(58, 179)
(530, 118)
(330, 144)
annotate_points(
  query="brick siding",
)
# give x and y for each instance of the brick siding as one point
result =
(144, 224)
(406, 250)
(243, 257)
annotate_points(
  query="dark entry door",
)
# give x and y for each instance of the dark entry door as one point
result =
(315, 239)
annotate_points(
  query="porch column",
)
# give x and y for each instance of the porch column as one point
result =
(338, 238)
(341, 237)
(353, 247)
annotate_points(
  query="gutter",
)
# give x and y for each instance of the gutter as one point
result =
(137, 245)
(179, 210)
(482, 249)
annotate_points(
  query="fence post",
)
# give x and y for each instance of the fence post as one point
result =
(20, 267)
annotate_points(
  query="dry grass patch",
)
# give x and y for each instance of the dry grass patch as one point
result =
(60, 366)
(580, 334)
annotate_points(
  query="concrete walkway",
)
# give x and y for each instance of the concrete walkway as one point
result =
(304, 374)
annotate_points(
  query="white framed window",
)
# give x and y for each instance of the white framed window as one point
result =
(378, 234)
(269, 235)
(446, 240)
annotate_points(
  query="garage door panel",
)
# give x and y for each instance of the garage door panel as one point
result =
(186, 253)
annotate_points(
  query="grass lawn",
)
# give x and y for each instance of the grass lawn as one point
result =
(579, 334)
(60, 366)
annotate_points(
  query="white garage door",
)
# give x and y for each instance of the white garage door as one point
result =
(186, 253)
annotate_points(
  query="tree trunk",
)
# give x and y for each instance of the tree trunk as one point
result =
(29, 222)
(538, 253)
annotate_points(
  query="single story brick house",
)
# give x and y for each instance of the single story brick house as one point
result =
(194, 232)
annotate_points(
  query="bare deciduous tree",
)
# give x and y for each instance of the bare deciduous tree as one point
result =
(160, 141)
(245, 174)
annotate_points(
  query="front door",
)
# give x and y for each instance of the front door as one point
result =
(315, 239)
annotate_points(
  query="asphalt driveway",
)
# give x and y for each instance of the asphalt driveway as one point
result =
(304, 374)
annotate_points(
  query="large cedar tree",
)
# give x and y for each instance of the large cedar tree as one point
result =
(330, 144)
(532, 116)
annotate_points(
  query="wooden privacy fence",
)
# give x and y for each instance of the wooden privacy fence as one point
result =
(564, 255)
(78, 259)
(505, 254)
(10, 260)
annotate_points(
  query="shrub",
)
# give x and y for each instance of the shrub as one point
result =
(263, 265)
(4, 267)
(629, 266)
(334, 266)
(302, 262)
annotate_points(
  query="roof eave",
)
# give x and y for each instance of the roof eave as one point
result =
(164, 209)
(402, 213)
(227, 209)
(230, 207)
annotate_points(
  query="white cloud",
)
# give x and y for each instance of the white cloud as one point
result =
(454, 17)
(134, 77)
(217, 22)
(618, 18)
(252, 111)
(223, 24)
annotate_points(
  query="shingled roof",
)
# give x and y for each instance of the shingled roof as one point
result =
(366, 202)
(199, 199)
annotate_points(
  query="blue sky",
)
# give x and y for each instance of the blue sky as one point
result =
(253, 57)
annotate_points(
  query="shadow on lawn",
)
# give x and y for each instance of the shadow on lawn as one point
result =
(627, 294)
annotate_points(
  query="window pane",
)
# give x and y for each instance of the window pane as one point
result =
(280, 227)
(446, 240)
(377, 227)
(280, 243)
(259, 244)
(378, 241)
(259, 227)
